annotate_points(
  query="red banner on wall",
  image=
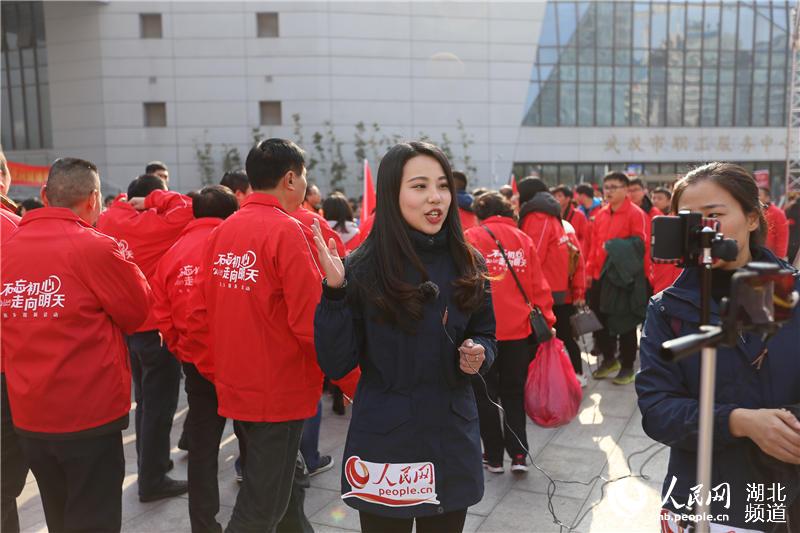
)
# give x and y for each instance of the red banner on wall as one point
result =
(22, 174)
(762, 178)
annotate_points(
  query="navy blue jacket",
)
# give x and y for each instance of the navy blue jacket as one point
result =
(413, 404)
(669, 396)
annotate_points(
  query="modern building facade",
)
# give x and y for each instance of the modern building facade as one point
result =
(564, 89)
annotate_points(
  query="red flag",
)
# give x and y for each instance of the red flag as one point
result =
(368, 200)
(514, 185)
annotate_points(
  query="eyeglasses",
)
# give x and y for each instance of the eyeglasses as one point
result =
(612, 188)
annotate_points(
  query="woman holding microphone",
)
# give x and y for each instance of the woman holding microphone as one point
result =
(411, 306)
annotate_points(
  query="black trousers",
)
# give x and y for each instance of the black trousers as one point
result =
(14, 467)
(272, 449)
(452, 522)
(505, 382)
(203, 429)
(607, 343)
(563, 313)
(156, 379)
(294, 519)
(80, 481)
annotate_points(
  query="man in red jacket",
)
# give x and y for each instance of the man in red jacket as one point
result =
(259, 291)
(620, 218)
(64, 320)
(146, 225)
(14, 467)
(236, 180)
(173, 284)
(777, 225)
(578, 221)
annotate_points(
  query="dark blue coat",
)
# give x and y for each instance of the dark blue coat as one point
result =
(413, 404)
(669, 396)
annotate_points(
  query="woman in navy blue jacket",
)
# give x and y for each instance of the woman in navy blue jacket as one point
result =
(412, 307)
(755, 441)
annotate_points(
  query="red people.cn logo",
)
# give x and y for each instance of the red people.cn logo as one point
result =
(356, 472)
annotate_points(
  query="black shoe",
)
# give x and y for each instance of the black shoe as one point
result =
(325, 464)
(183, 442)
(168, 488)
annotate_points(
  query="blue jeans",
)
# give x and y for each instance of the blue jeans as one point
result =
(309, 442)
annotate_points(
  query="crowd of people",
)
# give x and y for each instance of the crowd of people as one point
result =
(257, 291)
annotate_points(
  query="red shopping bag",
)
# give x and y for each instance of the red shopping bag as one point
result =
(552, 392)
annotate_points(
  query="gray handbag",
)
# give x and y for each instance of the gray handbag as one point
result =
(584, 321)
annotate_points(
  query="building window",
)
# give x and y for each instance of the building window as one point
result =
(270, 113)
(150, 26)
(267, 24)
(672, 64)
(155, 115)
(25, 91)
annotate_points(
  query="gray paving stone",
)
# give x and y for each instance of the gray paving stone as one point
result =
(522, 511)
(613, 402)
(591, 430)
(565, 463)
(628, 505)
(495, 488)
(337, 514)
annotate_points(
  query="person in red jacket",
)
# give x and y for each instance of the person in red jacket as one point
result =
(64, 320)
(254, 314)
(173, 284)
(777, 225)
(576, 295)
(146, 224)
(506, 377)
(620, 218)
(540, 218)
(465, 199)
(659, 275)
(14, 467)
(578, 221)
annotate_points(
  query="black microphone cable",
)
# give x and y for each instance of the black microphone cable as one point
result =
(551, 481)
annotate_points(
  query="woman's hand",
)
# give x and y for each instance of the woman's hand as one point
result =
(775, 431)
(328, 258)
(471, 357)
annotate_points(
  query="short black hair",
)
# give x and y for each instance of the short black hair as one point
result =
(664, 191)
(144, 185)
(270, 160)
(214, 201)
(636, 181)
(530, 187)
(585, 189)
(308, 190)
(29, 204)
(563, 189)
(617, 176)
(460, 179)
(154, 166)
(71, 180)
(236, 180)
(492, 203)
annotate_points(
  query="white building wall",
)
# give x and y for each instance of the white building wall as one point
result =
(412, 67)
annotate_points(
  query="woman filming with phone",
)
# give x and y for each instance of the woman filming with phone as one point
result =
(412, 307)
(756, 436)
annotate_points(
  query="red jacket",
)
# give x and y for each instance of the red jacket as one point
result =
(551, 245)
(777, 230)
(255, 313)
(307, 218)
(468, 219)
(577, 286)
(627, 221)
(581, 225)
(63, 323)
(510, 308)
(8, 224)
(144, 236)
(174, 282)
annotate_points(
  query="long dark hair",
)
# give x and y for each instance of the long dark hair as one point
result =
(739, 183)
(385, 254)
(336, 208)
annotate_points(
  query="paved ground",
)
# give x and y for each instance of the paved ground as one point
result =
(607, 430)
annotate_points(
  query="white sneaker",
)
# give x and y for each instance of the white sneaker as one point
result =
(494, 469)
(583, 380)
